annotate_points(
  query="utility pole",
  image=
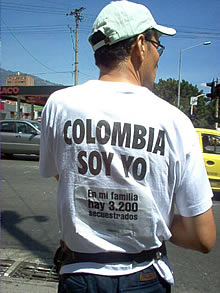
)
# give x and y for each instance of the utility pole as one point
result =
(216, 112)
(72, 38)
(77, 14)
(217, 103)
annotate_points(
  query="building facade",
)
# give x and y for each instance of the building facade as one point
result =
(20, 80)
(9, 109)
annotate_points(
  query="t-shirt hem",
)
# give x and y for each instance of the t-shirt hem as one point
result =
(104, 269)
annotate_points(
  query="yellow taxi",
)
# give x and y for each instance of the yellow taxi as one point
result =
(210, 145)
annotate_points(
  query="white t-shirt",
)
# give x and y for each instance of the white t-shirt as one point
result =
(124, 158)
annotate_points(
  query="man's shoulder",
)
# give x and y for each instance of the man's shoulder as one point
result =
(62, 94)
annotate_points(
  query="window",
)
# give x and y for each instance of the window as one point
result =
(7, 127)
(36, 124)
(25, 128)
(211, 144)
(21, 128)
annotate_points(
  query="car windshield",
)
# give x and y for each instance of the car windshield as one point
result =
(36, 124)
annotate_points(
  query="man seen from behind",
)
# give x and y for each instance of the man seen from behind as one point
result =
(124, 158)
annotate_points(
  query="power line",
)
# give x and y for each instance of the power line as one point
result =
(57, 3)
(38, 61)
(182, 30)
(61, 72)
(44, 29)
(33, 9)
(14, 6)
(57, 72)
(65, 2)
(211, 29)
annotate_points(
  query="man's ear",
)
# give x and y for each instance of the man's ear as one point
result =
(140, 46)
(137, 52)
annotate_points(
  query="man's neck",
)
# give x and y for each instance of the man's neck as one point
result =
(122, 73)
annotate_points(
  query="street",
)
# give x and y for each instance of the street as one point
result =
(28, 221)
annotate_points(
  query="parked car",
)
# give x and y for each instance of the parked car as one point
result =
(210, 145)
(20, 137)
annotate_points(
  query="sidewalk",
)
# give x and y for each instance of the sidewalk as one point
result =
(20, 286)
(23, 272)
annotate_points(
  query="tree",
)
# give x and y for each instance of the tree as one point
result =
(167, 90)
(203, 115)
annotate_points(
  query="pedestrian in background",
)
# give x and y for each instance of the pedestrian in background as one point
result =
(123, 159)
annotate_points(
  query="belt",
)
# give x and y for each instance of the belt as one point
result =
(69, 256)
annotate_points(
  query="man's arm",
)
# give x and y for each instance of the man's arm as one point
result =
(197, 233)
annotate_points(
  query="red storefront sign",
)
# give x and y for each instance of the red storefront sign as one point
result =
(2, 106)
(9, 90)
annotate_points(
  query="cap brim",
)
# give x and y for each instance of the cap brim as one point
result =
(165, 30)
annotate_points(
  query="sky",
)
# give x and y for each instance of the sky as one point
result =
(37, 37)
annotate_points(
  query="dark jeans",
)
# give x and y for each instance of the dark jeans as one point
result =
(145, 281)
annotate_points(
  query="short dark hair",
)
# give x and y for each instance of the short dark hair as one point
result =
(111, 55)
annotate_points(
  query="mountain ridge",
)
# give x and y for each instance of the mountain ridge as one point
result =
(37, 81)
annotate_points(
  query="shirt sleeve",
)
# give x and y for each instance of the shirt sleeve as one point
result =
(48, 166)
(194, 195)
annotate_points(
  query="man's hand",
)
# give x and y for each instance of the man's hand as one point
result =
(57, 177)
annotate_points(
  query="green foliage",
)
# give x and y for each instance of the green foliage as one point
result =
(167, 90)
(203, 114)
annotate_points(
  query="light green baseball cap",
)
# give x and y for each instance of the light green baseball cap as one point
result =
(123, 19)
